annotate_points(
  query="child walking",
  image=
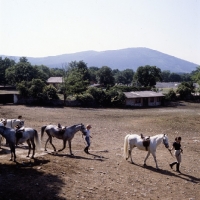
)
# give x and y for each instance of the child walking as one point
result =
(177, 153)
(87, 138)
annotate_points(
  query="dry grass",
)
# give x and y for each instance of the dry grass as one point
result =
(104, 174)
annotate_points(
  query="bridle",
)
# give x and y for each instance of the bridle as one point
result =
(166, 145)
(164, 142)
(83, 128)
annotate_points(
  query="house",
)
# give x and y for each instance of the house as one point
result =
(143, 98)
(55, 81)
(95, 85)
(173, 85)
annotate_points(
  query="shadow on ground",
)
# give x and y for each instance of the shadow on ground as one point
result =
(22, 181)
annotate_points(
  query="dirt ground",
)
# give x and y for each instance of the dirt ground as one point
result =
(104, 173)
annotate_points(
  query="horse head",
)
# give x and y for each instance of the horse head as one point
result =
(3, 121)
(165, 141)
(83, 129)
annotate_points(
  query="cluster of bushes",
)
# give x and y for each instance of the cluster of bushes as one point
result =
(184, 91)
(37, 89)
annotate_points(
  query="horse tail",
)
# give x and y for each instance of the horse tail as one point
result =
(126, 154)
(36, 136)
(42, 131)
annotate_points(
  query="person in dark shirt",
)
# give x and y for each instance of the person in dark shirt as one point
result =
(178, 150)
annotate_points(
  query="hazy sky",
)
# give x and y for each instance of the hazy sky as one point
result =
(39, 28)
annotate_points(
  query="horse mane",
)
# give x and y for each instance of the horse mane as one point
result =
(158, 135)
(73, 126)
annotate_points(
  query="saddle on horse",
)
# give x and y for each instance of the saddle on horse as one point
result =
(146, 141)
(61, 129)
(19, 133)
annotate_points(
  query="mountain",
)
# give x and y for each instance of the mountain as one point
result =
(130, 58)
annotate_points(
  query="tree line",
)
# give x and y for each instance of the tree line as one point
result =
(30, 80)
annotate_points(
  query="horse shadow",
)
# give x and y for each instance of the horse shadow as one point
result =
(95, 156)
(29, 183)
(31, 162)
(4, 151)
(165, 172)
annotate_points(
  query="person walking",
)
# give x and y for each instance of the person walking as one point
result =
(177, 153)
(87, 138)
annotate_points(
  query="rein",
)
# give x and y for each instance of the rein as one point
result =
(168, 148)
(170, 152)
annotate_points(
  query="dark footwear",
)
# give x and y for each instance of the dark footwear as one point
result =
(86, 150)
(177, 167)
(172, 164)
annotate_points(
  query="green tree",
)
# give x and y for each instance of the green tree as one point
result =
(36, 89)
(124, 77)
(86, 99)
(5, 64)
(147, 75)
(22, 71)
(77, 79)
(195, 75)
(128, 76)
(93, 74)
(41, 72)
(105, 76)
(185, 90)
(171, 95)
(23, 89)
(165, 76)
(186, 77)
(50, 92)
(75, 83)
(56, 72)
(98, 95)
(174, 77)
(23, 60)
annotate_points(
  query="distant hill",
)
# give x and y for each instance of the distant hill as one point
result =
(130, 58)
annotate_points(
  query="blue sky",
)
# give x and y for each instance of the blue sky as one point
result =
(39, 28)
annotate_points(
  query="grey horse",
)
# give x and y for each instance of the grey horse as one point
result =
(9, 134)
(65, 134)
(30, 136)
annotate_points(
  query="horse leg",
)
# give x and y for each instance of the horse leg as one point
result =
(146, 158)
(154, 156)
(33, 144)
(29, 147)
(130, 154)
(64, 145)
(45, 147)
(50, 140)
(70, 147)
(12, 149)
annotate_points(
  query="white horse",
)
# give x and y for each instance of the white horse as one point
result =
(1, 137)
(66, 135)
(9, 134)
(12, 123)
(133, 140)
(30, 136)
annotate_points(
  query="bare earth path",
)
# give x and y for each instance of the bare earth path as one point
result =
(104, 174)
